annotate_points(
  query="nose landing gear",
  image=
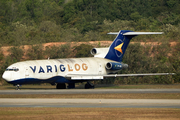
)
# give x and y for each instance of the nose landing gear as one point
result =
(17, 87)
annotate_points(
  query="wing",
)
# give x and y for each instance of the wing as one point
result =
(100, 77)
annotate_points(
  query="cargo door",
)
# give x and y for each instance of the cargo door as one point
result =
(100, 69)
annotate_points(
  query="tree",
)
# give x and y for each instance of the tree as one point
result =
(55, 52)
(82, 50)
(16, 53)
(35, 52)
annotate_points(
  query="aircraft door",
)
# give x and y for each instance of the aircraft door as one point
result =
(26, 71)
(100, 69)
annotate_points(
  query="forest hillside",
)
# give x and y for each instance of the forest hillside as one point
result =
(36, 22)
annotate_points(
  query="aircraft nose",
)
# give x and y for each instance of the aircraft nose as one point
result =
(6, 76)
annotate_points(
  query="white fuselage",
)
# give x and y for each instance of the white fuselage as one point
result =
(52, 70)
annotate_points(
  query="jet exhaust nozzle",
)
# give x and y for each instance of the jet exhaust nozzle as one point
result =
(116, 66)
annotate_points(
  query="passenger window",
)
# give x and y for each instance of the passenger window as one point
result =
(15, 69)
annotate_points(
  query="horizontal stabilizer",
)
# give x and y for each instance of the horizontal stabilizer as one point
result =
(136, 33)
(142, 33)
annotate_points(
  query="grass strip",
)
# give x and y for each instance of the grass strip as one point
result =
(89, 113)
(102, 96)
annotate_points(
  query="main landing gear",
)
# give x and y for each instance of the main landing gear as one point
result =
(89, 85)
(61, 86)
(17, 87)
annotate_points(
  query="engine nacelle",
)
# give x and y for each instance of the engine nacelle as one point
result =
(99, 52)
(116, 66)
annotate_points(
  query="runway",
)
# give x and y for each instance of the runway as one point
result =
(89, 91)
(91, 103)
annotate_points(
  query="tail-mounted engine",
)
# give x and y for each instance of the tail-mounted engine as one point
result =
(116, 66)
(99, 52)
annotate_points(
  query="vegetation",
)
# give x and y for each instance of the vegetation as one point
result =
(141, 59)
(83, 50)
(97, 96)
(90, 113)
(40, 21)
(34, 22)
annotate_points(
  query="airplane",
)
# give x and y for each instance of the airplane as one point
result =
(105, 63)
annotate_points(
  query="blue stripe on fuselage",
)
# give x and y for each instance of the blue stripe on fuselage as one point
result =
(56, 79)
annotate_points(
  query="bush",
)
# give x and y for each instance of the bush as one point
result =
(55, 52)
(35, 52)
(16, 53)
(82, 50)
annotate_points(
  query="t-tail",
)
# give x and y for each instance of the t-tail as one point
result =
(118, 48)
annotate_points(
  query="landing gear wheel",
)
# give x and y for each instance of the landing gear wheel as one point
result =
(89, 85)
(61, 86)
(17, 87)
(71, 85)
(86, 86)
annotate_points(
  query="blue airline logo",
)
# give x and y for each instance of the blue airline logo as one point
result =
(62, 68)
(48, 69)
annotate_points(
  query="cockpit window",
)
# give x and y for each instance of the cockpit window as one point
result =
(13, 69)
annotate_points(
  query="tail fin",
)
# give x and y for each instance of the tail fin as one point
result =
(118, 47)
